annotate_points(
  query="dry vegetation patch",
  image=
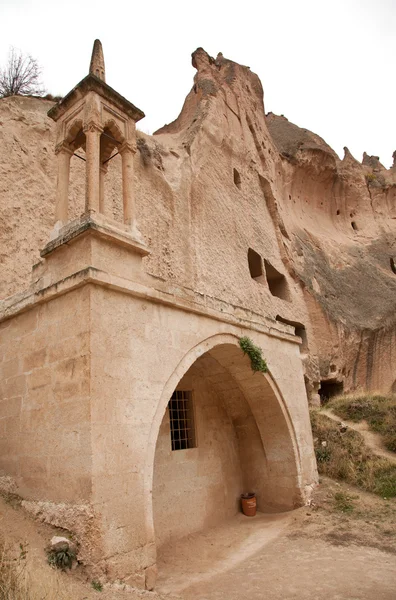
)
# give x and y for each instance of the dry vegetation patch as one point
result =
(13, 576)
(343, 455)
(342, 515)
(378, 410)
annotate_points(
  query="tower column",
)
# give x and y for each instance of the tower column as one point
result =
(102, 173)
(92, 136)
(127, 152)
(64, 155)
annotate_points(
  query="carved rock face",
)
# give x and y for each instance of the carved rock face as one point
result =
(325, 224)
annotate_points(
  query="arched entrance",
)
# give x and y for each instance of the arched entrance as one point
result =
(243, 440)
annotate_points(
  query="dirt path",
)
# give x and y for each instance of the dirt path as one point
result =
(304, 569)
(309, 554)
(373, 440)
(215, 551)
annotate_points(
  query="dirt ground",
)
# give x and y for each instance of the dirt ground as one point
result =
(343, 547)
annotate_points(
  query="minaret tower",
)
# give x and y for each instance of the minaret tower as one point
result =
(97, 66)
(95, 117)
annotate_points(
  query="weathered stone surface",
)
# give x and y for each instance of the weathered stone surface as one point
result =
(255, 227)
(317, 198)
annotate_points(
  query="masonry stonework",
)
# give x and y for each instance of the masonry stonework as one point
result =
(94, 346)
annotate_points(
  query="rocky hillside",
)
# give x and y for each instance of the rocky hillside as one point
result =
(221, 178)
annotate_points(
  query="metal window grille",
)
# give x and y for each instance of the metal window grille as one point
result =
(181, 416)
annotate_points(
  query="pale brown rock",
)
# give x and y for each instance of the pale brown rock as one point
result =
(225, 223)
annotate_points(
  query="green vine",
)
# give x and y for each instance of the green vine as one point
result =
(257, 361)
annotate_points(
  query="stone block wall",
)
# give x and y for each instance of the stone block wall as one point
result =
(45, 406)
(86, 379)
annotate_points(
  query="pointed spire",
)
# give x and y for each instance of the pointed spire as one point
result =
(97, 66)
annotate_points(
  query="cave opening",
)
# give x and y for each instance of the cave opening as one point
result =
(329, 389)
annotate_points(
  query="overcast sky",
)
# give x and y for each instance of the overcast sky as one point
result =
(327, 66)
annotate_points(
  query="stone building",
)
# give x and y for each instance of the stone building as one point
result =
(129, 411)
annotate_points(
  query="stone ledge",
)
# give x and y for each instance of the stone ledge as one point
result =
(90, 275)
(102, 228)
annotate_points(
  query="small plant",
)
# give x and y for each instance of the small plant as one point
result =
(23, 551)
(343, 502)
(144, 150)
(370, 177)
(97, 585)
(257, 361)
(61, 557)
(52, 97)
(322, 454)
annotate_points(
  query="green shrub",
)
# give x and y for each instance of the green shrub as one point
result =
(61, 559)
(97, 585)
(257, 361)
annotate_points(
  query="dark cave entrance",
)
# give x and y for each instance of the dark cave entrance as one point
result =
(330, 388)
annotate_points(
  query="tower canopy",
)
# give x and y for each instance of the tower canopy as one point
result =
(96, 118)
(95, 81)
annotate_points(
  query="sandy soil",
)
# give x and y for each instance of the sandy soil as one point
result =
(335, 550)
(305, 570)
(323, 551)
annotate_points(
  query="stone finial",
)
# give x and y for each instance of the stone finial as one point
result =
(97, 66)
(394, 160)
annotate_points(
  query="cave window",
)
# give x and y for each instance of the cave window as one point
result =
(354, 226)
(302, 333)
(276, 282)
(181, 418)
(392, 264)
(338, 211)
(255, 265)
(330, 388)
(237, 179)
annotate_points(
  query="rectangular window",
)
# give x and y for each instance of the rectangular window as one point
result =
(181, 416)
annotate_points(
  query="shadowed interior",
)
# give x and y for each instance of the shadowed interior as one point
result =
(243, 443)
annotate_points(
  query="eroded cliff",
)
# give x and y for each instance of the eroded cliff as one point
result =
(221, 179)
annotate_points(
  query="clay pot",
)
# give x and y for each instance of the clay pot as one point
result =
(249, 504)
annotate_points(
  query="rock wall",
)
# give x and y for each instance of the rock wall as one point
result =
(223, 178)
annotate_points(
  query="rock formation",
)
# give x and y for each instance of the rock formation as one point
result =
(325, 226)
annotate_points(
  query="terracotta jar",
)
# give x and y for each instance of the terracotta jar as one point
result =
(249, 504)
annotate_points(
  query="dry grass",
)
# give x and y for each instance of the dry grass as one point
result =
(344, 456)
(378, 410)
(13, 575)
(19, 580)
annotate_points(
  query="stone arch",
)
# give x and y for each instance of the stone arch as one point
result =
(75, 136)
(114, 130)
(264, 410)
(111, 138)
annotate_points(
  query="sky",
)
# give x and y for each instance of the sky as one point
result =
(326, 66)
